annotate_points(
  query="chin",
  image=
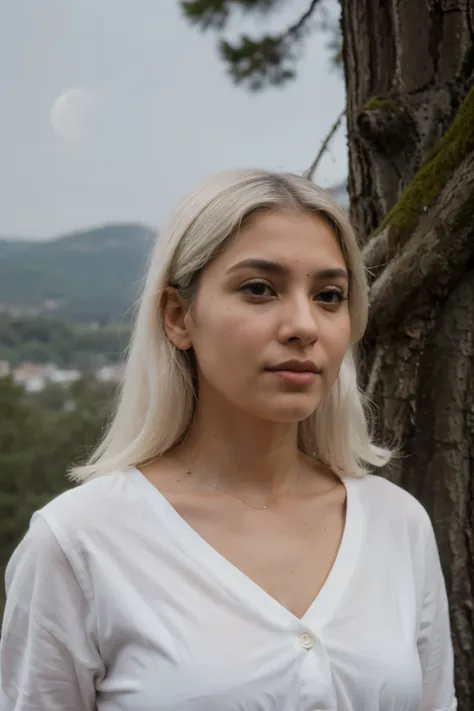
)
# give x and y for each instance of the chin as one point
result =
(289, 409)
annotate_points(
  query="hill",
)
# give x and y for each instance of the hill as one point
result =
(9, 247)
(87, 276)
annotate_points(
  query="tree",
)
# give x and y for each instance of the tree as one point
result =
(409, 74)
(37, 446)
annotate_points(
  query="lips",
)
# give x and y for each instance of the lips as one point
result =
(296, 366)
(296, 372)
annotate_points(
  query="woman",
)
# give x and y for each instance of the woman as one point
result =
(228, 549)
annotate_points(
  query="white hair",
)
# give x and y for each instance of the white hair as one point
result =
(156, 402)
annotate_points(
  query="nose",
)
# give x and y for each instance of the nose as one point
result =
(299, 321)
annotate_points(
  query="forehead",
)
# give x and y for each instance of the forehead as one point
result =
(286, 237)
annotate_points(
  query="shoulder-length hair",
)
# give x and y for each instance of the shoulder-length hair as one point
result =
(157, 396)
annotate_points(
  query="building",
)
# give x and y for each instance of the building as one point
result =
(64, 377)
(110, 373)
(34, 377)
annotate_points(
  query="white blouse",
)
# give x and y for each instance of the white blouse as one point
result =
(114, 603)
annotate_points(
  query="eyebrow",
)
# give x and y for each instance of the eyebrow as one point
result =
(280, 270)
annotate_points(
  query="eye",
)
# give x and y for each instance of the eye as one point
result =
(332, 296)
(258, 289)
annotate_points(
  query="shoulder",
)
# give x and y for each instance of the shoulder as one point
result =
(96, 509)
(85, 519)
(389, 503)
(82, 503)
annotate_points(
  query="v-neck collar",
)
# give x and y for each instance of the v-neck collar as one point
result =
(322, 608)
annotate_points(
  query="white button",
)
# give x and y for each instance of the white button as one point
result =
(306, 640)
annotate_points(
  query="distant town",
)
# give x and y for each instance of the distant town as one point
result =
(33, 377)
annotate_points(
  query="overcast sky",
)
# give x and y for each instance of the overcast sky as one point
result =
(156, 112)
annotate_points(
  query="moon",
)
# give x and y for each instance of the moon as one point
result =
(74, 114)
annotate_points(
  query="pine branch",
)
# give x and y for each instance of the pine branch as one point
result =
(265, 60)
(270, 58)
(206, 13)
(261, 61)
(215, 13)
(294, 29)
(324, 146)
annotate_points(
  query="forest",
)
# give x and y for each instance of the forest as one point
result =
(41, 435)
(43, 340)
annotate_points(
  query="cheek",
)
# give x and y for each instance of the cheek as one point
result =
(338, 342)
(227, 333)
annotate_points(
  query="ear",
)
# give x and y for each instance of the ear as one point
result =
(174, 309)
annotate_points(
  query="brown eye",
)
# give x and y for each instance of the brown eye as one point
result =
(257, 289)
(332, 296)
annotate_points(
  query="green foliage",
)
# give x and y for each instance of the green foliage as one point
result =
(37, 447)
(91, 276)
(439, 166)
(53, 398)
(216, 13)
(68, 345)
(268, 60)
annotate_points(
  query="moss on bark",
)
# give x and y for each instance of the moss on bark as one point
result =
(386, 122)
(437, 169)
(378, 102)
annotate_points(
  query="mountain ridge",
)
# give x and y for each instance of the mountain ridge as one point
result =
(89, 275)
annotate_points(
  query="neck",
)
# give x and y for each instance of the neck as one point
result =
(241, 453)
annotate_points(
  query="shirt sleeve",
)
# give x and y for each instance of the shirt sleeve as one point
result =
(434, 639)
(48, 659)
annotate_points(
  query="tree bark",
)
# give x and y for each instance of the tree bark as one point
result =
(409, 69)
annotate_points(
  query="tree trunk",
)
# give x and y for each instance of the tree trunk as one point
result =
(409, 68)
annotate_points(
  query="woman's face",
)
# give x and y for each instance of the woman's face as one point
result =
(270, 321)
